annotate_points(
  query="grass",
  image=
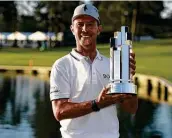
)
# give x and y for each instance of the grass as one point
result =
(152, 57)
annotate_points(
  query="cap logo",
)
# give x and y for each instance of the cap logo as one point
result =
(95, 9)
(85, 8)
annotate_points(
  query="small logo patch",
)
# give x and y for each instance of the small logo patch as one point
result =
(106, 76)
(54, 89)
(85, 8)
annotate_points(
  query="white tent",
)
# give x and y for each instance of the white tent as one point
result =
(2, 37)
(17, 36)
(38, 36)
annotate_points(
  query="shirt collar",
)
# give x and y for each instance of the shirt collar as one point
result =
(98, 56)
(80, 57)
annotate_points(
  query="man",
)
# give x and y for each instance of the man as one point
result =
(79, 83)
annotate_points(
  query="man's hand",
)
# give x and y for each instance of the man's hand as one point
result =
(105, 99)
(132, 64)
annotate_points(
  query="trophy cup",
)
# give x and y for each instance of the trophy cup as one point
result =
(120, 78)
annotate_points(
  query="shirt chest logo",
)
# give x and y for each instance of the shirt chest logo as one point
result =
(106, 76)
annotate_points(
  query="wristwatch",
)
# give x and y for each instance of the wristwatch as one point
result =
(94, 106)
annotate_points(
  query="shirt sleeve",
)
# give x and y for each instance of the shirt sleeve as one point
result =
(59, 83)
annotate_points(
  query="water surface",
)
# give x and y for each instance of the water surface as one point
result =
(25, 111)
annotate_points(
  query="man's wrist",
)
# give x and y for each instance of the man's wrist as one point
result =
(94, 106)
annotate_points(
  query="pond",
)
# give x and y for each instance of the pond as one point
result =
(25, 111)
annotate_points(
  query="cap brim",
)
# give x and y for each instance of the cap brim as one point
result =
(73, 18)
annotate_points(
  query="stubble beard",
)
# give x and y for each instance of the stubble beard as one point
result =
(87, 44)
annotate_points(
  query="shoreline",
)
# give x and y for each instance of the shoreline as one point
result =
(149, 87)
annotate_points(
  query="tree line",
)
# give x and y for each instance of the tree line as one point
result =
(142, 17)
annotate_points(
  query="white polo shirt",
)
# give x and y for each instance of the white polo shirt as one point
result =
(74, 77)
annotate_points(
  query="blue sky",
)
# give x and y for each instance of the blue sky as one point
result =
(168, 9)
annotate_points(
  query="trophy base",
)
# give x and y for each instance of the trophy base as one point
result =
(122, 88)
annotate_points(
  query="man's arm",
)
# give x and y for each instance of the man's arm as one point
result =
(65, 109)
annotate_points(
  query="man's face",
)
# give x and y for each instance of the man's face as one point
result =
(85, 28)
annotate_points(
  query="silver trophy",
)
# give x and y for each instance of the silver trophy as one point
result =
(120, 77)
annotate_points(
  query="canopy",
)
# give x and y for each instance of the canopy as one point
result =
(16, 36)
(2, 37)
(38, 36)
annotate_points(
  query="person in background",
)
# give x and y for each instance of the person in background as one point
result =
(79, 84)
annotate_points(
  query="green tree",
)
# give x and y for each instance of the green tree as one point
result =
(113, 14)
(117, 13)
(27, 23)
(148, 17)
(55, 15)
(8, 16)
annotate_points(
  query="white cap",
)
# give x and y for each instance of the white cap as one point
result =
(86, 9)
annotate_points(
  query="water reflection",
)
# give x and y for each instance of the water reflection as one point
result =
(162, 121)
(25, 111)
